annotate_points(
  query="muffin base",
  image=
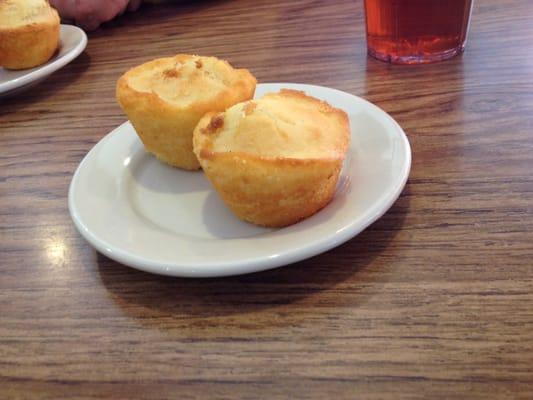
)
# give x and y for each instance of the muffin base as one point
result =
(272, 192)
(28, 46)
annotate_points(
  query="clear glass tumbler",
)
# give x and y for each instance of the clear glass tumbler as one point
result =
(416, 31)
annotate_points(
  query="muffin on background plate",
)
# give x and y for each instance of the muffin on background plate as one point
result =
(165, 98)
(29, 33)
(276, 160)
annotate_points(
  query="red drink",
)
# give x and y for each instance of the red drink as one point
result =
(416, 31)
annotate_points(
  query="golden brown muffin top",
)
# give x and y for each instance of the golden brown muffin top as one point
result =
(16, 13)
(288, 124)
(185, 79)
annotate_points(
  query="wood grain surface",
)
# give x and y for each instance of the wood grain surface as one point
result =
(435, 300)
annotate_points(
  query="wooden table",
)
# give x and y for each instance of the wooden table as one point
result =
(435, 300)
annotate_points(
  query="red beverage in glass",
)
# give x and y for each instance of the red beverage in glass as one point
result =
(416, 31)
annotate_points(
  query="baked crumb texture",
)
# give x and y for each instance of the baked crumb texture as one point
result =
(276, 160)
(29, 33)
(165, 98)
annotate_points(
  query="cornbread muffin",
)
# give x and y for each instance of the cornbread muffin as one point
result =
(29, 33)
(165, 98)
(276, 160)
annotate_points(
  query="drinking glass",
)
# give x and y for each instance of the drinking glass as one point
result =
(416, 31)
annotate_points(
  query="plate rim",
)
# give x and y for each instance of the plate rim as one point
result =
(248, 265)
(41, 72)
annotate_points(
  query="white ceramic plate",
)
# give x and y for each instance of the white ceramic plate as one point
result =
(72, 42)
(159, 219)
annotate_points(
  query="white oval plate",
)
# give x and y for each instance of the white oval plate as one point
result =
(160, 219)
(72, 42)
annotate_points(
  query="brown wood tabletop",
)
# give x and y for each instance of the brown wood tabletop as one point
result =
(434, 300)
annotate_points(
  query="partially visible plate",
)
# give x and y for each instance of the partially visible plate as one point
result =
(72, 42)
(163, 220)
